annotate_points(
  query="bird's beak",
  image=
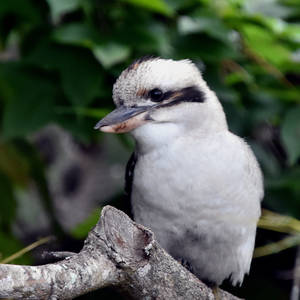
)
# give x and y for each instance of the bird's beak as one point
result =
(123, 119)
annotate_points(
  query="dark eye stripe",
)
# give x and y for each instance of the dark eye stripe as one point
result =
(188, 94)
(168, 95)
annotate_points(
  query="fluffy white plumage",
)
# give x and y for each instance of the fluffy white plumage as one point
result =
(196, 185)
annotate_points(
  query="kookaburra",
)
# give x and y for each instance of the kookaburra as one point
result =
(193, 182)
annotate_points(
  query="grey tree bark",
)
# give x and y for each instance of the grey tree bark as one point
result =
(117, 252)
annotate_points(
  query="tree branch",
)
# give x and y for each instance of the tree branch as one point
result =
(117, 252)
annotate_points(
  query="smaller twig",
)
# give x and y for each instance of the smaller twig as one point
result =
(280, 223)
(276, 247)
(26, 249)
(58, 255)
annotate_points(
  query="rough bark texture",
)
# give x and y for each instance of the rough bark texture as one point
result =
(117, 252)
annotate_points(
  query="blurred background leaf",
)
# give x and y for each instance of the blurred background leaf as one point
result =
(60, 7)
(159, 6)
(291, 134)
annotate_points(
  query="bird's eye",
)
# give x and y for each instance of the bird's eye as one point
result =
(156, 95)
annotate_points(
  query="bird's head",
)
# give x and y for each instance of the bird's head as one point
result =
(162, 95)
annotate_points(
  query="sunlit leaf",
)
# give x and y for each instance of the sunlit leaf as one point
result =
(271, 8)
(111, 53)
(61, 7)
(159, 6)
(207, 24)
(292, 32)
(265, 44)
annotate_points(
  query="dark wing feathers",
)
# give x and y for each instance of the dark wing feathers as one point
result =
(129, 180)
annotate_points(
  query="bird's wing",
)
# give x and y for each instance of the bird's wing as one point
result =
(129, 179)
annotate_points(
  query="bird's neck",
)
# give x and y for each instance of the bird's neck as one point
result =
(152, 136)
(187, 120)
(156, 136)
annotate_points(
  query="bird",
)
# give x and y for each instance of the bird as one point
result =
(194, 183)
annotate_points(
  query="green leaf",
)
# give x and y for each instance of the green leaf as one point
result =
(159, 39)
(290, 133)
(8, 201)
(264, 43)
(81, 75)
(61, 7)
(76, 34)
(84, 84)
(292, 32)
(81, 230)
(208, 24)
(271, 8)
(108, 54)
(284, 95)
(30, 105)
(158, 6)
(111, 53)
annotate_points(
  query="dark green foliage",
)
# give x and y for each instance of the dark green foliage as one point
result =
(59, 59)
